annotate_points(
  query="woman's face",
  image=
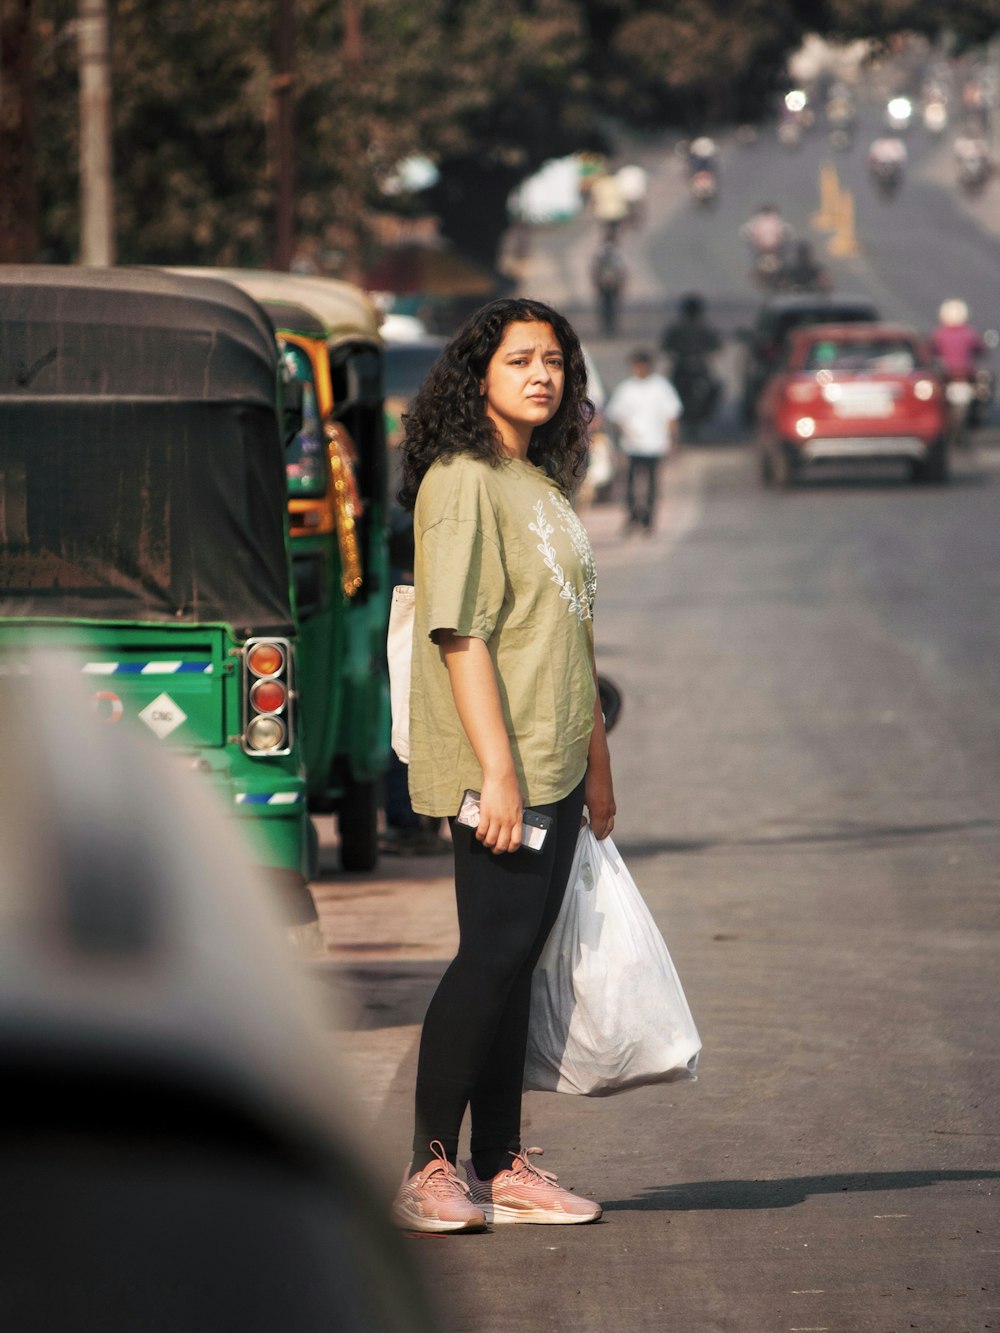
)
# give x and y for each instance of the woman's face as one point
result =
(523, 384)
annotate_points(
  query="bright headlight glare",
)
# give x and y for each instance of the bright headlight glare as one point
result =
(924, 390)
(805, 427)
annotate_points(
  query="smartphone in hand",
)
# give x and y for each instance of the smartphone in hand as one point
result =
(534, 826)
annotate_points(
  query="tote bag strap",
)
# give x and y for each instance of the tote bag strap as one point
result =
(399, 650)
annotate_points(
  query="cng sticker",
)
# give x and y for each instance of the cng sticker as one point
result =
(107, 706)
(163, 716)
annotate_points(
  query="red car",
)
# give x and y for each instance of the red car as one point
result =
(854, 391)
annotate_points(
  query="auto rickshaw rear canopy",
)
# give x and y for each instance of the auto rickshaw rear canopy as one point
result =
(141, 451)
(345, 311)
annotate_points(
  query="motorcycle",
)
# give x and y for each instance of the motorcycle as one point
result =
(698, 390)
(973, 171)
(984, 388)
(768, 266)
(969, 399)
(888, 177)
(704, 188)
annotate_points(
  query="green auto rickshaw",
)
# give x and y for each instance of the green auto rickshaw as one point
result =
(332, 355)
(143, 528)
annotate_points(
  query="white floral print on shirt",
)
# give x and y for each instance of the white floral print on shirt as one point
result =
(581, 600)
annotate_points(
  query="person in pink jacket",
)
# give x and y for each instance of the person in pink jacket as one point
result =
(956, 344)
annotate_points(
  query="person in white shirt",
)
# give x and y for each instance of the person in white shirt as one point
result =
(646, 409)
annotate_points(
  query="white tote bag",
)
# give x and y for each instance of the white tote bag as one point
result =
(607, 1008)
(399, 649)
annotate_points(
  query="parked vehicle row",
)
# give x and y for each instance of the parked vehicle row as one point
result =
(332, 358)
(195, 488)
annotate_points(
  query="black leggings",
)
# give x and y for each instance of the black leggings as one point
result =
(476, 1030)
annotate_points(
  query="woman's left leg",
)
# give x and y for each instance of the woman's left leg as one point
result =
(495, 1104)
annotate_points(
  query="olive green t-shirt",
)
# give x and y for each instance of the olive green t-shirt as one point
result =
(501, 556)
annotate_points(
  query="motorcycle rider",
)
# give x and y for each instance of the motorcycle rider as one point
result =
(690, 341)
(702, 169)
(769, 236)
(607, 272)
(887, 157)
(972, 160)
(766, 229)
(956, 342)
(957, 346)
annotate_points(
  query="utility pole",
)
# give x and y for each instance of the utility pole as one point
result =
(283, 89)
(97, 226)
(353, 48)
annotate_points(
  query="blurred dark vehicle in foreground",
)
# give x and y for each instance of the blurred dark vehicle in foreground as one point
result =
(777, 317)
(176, 1148)
(854, 392)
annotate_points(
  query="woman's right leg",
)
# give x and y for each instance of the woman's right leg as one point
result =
(501, 902)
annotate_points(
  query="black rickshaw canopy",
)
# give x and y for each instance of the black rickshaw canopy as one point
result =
(142, 468)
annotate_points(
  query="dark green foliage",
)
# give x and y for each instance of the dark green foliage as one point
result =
(487, 90)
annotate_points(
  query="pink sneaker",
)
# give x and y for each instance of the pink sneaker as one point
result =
(435, 1199)
(524, 1193)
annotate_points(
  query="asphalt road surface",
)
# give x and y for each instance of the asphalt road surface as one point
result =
(808, 779)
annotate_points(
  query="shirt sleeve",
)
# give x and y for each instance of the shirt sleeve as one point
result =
(461, 565)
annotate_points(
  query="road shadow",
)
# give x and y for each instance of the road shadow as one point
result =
(751, 1195)
(363, 996)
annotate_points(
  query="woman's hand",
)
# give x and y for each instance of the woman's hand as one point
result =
(600, 799)
(599, 793)
(500, 812)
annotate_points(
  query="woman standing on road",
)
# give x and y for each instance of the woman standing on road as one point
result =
(504, 702)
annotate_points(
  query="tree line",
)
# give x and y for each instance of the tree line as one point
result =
(487, 91)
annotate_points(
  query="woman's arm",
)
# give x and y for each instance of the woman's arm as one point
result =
(477, 700)
(598, 788)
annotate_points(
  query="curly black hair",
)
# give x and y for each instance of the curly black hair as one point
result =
(448, 416)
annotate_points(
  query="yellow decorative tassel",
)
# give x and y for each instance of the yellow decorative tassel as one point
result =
(347, 504)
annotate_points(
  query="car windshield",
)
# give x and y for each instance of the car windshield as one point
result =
(876, 355)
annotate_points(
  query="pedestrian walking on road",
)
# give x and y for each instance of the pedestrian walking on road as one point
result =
(503, 702)
(607, 272)
(646, 409)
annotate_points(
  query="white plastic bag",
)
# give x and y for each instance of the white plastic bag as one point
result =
(607, 1008)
